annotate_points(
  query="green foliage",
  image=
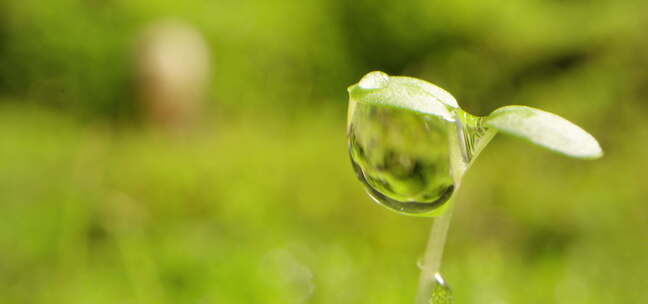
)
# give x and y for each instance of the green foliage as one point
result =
(539, 127)
(91, 214)
(406, 93)
(545, 129)
(78, 55)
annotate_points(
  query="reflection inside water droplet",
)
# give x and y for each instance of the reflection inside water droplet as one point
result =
(401, 157)
(410, 162)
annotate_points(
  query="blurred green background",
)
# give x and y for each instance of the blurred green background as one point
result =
(250, 198)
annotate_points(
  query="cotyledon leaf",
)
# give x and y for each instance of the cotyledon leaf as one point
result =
(404, 92)
(545, 129)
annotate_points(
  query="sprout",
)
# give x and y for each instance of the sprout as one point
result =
(410, 145)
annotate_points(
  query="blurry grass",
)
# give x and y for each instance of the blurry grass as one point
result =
(79, 55)
(267, 210)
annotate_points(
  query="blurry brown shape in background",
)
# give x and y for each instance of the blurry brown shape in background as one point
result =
(173, 69)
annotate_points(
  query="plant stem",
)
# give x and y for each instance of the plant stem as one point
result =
(433, 255)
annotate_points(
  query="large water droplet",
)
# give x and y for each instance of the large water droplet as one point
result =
(402, 157)
(441, 293)
(411, 162)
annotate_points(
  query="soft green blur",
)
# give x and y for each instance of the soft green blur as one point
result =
(258, 203)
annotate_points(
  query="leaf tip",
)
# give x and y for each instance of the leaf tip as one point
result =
(547, 130)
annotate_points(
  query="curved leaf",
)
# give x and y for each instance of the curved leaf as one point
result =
(405, 93)
(545, 129)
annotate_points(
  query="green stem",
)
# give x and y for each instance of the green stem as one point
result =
(467, 141)
(433, 255)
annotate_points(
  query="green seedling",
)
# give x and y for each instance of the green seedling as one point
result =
(410, 145)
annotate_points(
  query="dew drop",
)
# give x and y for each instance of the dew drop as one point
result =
(401, 157)
(441, 293)
(420, 263)
(374, 80)
(408, 161)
